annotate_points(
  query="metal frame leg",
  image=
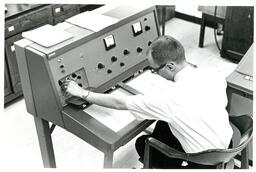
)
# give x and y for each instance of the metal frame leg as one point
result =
(163, 19)
(202, 31)
(244, 158)
(108, 159)
(45, 142)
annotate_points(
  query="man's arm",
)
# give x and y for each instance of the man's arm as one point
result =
(106, 100)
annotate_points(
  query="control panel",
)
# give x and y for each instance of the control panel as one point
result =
(102, 59)
(95, 60)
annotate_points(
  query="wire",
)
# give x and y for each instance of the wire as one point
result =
(214, 29)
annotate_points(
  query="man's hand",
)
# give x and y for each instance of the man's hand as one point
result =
(71, 87)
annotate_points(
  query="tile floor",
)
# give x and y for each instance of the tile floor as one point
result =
(19, 146)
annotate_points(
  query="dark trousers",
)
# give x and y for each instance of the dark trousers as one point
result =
(163, 133)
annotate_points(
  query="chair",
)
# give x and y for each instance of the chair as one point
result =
(221, 158)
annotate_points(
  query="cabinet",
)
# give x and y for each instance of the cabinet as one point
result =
(238, 32)
(7, 85)
(24, 17)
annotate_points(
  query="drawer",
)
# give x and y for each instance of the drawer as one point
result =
(36, 18)
(28, 20)
(12, 27)
(7, 84)
(62, 9)
(65, 16)
(12, 62)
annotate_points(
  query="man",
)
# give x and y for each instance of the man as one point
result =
(191, 115)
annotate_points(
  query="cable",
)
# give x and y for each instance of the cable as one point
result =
(214, 29)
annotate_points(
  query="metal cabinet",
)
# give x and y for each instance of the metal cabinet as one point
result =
(24, 17)
(14, 25)
(7, 85)
(63, 11)
(238, 32)
(12, 62)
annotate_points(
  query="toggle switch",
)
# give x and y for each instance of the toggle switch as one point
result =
(100, 66)
(126, 52)
(113, 58)
(139, 49)
(147, 28)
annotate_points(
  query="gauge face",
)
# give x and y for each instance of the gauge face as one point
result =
(136, 28)
(109, 42)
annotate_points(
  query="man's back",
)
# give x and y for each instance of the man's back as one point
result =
(194, 108)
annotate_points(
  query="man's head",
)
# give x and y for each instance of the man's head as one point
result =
(167, 56)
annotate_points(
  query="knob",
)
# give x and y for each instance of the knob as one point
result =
(149, 43)
(147, 28)
(113, 58)
(62, 66)
(121, 64)
(73, 75)
(109, 71)
(126, 52)
(60, 82)
(139, 49)
(100, 66)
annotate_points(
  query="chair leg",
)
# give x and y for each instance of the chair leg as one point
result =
(202, 31)
(244, 158)
(221, 166)
(147, 156)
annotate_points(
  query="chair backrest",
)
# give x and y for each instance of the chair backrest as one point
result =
(244, 124)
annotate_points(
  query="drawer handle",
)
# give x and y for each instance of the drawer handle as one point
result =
(57, 10)
(11, 28)
(12, 48)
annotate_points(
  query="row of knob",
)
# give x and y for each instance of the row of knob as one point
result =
(102, 66)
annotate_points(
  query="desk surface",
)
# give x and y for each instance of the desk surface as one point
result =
(242, 78)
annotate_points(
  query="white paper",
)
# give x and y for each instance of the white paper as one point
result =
(113, 119)
(148, 83)
(47, 35)
(92, 21)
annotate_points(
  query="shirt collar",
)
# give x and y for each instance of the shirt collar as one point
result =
(183, 73)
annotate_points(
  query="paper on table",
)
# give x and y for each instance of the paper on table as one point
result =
(148, 83)
(92, 21)
(47, 35)
(113, 119)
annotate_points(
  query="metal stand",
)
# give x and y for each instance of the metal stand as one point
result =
(45, 142)
(108, 159)
(163, 19)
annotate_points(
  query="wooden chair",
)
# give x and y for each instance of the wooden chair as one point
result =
(221, 158)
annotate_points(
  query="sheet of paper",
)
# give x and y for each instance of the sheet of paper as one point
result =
(148, 83)
(113, 119)
(47, 35)
(92, 21)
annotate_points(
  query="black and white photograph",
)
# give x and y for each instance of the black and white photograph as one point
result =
(96, 85)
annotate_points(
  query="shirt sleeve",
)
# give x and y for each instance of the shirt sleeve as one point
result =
(146, 107)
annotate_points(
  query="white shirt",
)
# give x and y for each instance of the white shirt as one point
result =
(194, 107)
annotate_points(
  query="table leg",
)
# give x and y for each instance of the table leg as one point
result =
(45, 142)
(202, 31)
(108, 159)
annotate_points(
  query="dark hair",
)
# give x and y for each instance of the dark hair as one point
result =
(165, 49)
